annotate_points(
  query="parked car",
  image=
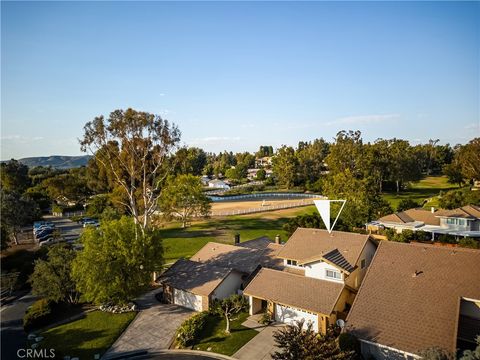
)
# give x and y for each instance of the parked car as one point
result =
(93, 223)
(43, 232)
(43, 237)
(50, 241)
(85, 219)
(42, 228)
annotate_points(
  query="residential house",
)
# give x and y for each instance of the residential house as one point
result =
(216, 271)
(415, 297)
(263, 162)
(204, 180)
(218, 184)
(321, 274)
(461, 222)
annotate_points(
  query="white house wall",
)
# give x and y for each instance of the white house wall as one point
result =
(318, 270)
(228, 286)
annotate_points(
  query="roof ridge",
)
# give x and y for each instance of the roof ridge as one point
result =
(431, 246)
(333, 231)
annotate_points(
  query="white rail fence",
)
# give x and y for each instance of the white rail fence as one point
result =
(265, 195)
(304, 202)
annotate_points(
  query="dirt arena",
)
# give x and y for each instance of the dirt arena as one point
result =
(258, 204)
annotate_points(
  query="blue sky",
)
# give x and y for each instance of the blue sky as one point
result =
(239, 75)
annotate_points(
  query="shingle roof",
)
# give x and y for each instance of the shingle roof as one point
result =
(311, 244)
(245, 257)
(198, 278)
(467, 212)
(410, 313)
(295, 290)
(411, 215)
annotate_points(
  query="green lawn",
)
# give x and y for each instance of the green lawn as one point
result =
(178, 242)
(84, 338)
(426, 189)
(213, 337)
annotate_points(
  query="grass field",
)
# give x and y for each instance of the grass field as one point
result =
(178, 242)
(84, 338)
(214, 339)
(426, 189)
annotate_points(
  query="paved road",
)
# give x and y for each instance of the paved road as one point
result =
(153, 328)
(70, 230)
(12, 335)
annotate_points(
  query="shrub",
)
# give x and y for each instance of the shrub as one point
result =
(348, 342)
(266, 318)
(469, 242)
(449, 239)
(423, 236)
(188, 332)
(37, 315)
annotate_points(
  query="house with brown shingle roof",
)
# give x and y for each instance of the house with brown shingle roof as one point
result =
(321, 274)
(461, 222)
(415, 297)
(216, 271)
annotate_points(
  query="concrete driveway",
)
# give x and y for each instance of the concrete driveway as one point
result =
(261, 346)
(153, 328)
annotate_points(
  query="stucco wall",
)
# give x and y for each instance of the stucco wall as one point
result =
(228, 286)
(318, 269)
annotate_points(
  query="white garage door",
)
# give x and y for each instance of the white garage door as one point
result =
(289, 315)
(187, 299)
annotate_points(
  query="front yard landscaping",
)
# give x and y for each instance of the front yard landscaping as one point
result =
(84, 338)
(214, 339)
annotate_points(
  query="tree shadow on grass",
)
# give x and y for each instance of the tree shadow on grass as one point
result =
(80, 343)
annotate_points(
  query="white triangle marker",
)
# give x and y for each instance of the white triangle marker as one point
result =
(323, 207)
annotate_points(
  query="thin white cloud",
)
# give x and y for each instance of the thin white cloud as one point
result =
(365, 119)
(472, 126)
(214, 140)
(20, 138)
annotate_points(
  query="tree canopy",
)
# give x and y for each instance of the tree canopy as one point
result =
(116, 263)
(133, 148)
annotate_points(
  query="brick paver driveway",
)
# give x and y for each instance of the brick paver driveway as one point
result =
(153, 328)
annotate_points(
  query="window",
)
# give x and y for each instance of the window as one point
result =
(333, 274)
(363, 263)
(461, 222)
(450, 221)
(289, 262)
(294, 262)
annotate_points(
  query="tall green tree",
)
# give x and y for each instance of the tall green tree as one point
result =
(346, 153)
(190, 161)
(403, 166)
(469, 159)
(17, 211)
(116, 262)
(183, 197)
(14, 176)
(135, 147)
(285, 166)
(52, 278)
(311, 160)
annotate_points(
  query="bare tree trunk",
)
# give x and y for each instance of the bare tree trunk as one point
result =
(398, 186)
(227, 330)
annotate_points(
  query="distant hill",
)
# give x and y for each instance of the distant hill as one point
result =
(56, 161)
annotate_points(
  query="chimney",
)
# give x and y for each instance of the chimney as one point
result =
(277, 239)
(432, 209)
(237, 239)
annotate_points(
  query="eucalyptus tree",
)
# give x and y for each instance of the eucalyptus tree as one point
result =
(133, 146)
